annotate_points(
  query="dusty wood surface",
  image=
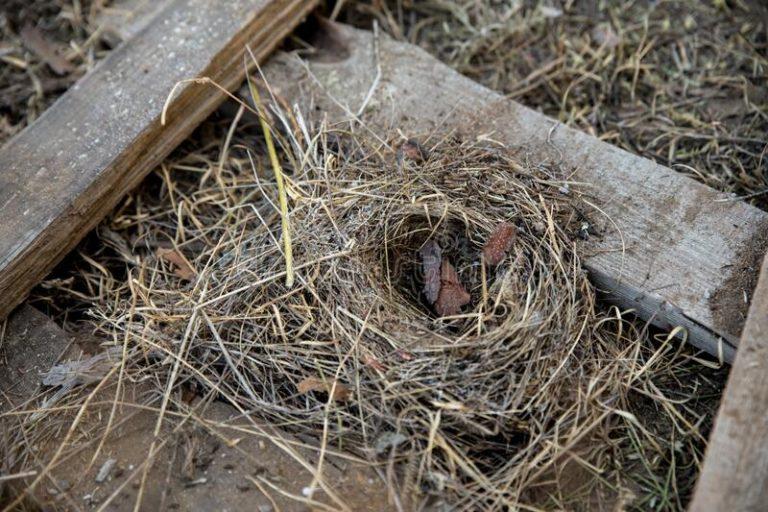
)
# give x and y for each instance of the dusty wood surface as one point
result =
(677, 252)
(30, 343)
(735, 473)
(121, 20)
(62, 174)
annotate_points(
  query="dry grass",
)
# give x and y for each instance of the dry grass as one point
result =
(681, 82)
(474, 419)
(532, 396)
(477, 407)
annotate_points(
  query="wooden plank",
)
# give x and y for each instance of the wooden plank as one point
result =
(30, 343)
(676, 251)
(62, 174)
(735, 472)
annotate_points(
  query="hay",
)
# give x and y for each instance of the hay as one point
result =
(639, 410)
(532, 396)
(480, 409)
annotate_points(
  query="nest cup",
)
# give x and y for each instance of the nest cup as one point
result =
(477, 400)
(473, 408)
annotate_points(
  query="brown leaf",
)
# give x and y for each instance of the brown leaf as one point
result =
(183, 269)
(412, 150)
(499, 243)
(340, 392)
(374, 363)
(452, 294)
(36, 42)
(404, 355)
(431, 258)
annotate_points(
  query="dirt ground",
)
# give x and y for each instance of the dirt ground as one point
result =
(679, 82)
(215, 459)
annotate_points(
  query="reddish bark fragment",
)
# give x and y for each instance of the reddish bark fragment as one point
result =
(340, 391)
(411, 150)
(452, 294)
(404, 355)
(374, 363)
(499, 243)
(182, 267)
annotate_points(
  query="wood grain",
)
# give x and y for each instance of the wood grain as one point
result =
(30, 343)
(735, 472)
(673, 250)
(61, 175)
(121, 20)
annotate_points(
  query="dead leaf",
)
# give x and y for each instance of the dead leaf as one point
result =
(550, 12)
(404, 355)
(431, 258)
(412, 150)
(452, 294)
(374, 363)
(183, 269)
(36, 42)
(723, 108)
(78, 372)
(341, 392)
(389, 440)
(188, 394)
(499, 243)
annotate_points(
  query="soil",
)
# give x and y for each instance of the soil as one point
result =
(222, 467)
(222, 462)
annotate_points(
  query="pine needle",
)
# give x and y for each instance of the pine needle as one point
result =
(278, 170)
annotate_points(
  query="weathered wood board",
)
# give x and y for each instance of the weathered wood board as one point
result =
(30, 343)
(121, 20)
(675, 251)
(61, 175)
(735, 472)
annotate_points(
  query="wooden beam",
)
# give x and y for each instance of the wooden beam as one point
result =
(65, 172)
(30, 343)
(121, 20)
(735, 472)
(673, 250)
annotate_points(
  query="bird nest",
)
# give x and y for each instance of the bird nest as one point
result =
(439, 319)
(439, 316)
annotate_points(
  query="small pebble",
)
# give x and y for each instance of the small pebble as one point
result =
(105, 470)
(199, 481)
